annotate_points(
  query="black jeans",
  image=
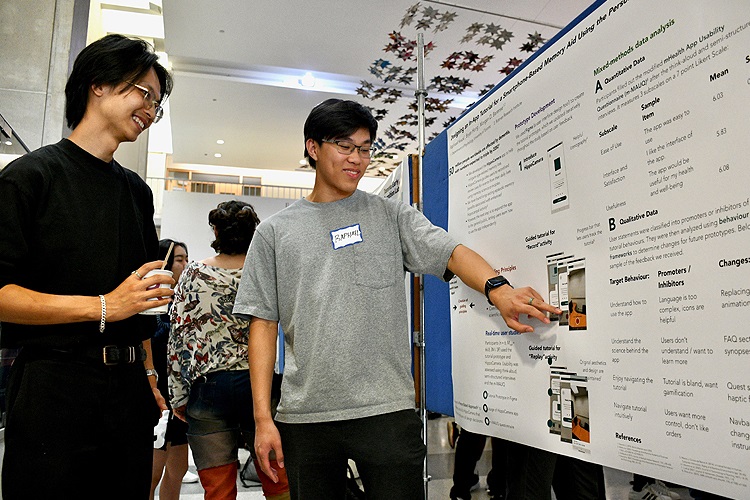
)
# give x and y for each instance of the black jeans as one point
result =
(532, 473)
(387, 449)
(469, 449)
(75, 427)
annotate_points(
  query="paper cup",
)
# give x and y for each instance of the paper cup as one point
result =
(160, 309)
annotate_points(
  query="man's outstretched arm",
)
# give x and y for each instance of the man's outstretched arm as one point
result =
(474, 271)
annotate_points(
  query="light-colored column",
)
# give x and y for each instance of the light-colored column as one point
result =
(33, 70)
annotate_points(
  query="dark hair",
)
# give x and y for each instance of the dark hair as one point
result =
(164, 248)
(235, 223)
(336, 119)
(110, 61)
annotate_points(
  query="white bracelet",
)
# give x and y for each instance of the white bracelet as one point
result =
(104, 314)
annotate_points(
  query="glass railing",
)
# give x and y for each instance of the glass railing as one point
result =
(160, 185)
(11, 146)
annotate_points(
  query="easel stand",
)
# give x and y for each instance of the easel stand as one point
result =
(418, 336)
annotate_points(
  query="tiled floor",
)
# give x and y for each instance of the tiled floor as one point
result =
(440, 469)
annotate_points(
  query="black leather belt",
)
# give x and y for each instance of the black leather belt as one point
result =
(117, 355)
(109, 355)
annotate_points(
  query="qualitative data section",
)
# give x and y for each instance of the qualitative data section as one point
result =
(610, 173)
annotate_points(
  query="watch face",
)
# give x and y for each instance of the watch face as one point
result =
(497, 281)
(493, 283)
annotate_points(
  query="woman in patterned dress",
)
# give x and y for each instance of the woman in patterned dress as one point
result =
(209, 383)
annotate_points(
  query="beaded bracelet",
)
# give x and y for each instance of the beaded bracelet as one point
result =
(104, 313)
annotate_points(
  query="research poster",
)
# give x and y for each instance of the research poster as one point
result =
(611, 173)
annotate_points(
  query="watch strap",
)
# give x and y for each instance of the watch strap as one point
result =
(493, 283)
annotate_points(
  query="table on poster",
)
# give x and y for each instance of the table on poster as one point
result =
(610, 173)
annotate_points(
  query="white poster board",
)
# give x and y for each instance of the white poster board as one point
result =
(611, 174)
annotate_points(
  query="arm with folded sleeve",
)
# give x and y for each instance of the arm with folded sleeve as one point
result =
(27, 307)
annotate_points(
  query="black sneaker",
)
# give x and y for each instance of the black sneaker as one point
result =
(459, 496)
(493, 496)
(452, 433)
(464, 495)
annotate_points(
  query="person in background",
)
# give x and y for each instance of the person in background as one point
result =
(209, 385)
(534, 473)
(77, 238)
(649, 488)
(171, 459)
(469, 449)
(330, 268)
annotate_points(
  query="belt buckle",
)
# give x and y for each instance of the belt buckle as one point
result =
(113, 355)
(110, 355)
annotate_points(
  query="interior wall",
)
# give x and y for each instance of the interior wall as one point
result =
(185, 217)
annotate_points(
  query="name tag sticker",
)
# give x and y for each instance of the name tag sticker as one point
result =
(346, 236)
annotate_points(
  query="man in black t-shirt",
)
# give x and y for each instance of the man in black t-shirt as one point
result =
(77, 238)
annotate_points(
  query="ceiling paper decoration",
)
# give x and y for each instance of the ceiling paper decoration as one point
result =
(379, 113)
(449, 84)
(535, 41)
(365, 88)
(491, 47)
(450, 120)
(404, 49)
(385, 94)
(378, 67)
(412, 120)
(446, 18)
(471, 32)
(512, 64)
(468, 60)
(490, 34)
(431, 105)
(411, 13)
(380, 151)
(397, 134)
(486, 89)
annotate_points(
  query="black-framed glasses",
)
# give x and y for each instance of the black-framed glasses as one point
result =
(150, 103)
(347, 148)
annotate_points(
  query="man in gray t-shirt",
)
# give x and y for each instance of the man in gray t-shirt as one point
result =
(330, 268)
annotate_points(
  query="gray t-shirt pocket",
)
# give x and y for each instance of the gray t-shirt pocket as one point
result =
(374, 268)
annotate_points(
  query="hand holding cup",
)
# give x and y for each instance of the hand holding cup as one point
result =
(135, 294)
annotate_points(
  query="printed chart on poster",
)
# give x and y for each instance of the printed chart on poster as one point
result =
(611, 174)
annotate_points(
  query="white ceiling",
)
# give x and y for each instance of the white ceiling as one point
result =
(233, 60)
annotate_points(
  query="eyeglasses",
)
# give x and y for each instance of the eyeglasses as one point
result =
(347, 148)
(158, 110)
